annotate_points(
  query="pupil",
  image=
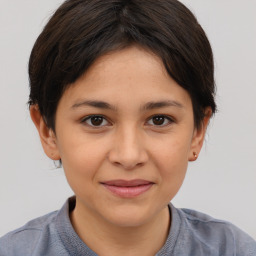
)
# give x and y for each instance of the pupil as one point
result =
(96, 120)
(158, 120)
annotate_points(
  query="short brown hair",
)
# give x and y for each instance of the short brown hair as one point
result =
(82, 30)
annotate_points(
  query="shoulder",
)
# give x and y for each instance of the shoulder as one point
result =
(222, 236)
(23, 240)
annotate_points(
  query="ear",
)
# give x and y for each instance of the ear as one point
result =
(47, 135)
(198, 136)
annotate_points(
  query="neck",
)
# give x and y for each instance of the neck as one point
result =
(146, 239)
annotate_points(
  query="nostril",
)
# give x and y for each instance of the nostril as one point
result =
(127, 153)
(128, 166)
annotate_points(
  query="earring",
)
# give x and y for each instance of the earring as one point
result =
(195, 155)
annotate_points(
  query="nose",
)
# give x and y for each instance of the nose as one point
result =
(128, 149)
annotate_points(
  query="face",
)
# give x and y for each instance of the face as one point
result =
(125, 133)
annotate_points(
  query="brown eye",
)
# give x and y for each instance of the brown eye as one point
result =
(95, 121)
(160, 120)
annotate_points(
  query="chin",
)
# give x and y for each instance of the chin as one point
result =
(128, 216)
(128, 221)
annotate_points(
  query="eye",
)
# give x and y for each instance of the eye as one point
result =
(95, 121)
(160, 120)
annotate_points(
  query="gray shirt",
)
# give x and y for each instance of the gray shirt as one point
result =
(191, 234)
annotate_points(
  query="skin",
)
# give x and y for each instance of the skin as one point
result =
(128, 144)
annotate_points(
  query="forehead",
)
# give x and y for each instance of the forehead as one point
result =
(129, 75)
(127, 64)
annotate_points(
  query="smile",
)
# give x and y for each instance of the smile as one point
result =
(128, 189)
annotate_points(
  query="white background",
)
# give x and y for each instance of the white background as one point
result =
(221, 183)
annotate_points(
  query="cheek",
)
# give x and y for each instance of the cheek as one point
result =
(171, 160)
(172, 174)
(80, 166)
(81, 158)
(172, 152)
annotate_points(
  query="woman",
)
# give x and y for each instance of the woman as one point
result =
(121, 94)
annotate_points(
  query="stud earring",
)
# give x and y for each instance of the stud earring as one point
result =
(195, 155)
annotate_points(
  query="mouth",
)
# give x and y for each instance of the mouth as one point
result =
(127, 188)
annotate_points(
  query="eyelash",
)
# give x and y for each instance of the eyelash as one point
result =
(168, 118)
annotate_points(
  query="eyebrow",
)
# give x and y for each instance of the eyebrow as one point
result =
(148, 106)
(161, 104)
(94, 103)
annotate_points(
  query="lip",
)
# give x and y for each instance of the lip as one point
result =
(128, 188)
